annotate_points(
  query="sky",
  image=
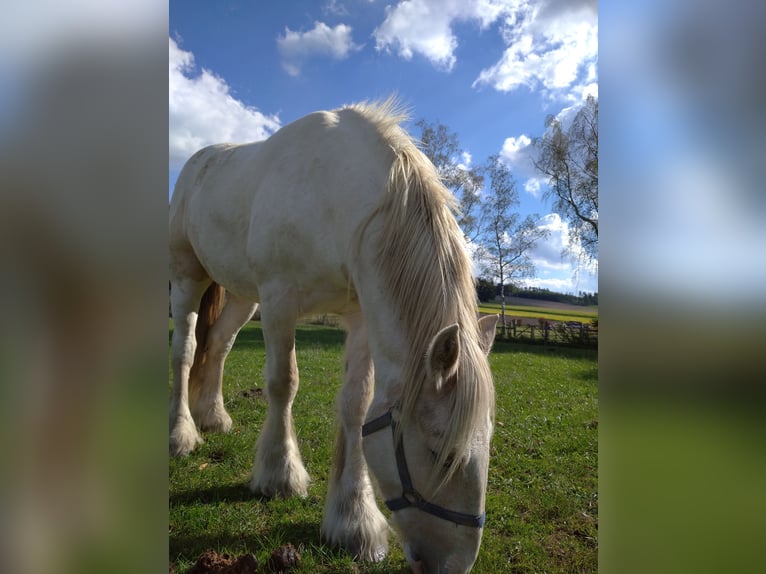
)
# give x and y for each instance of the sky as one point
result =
(490, 70)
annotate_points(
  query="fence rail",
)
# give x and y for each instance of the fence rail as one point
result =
(550, 332)
(540, 331)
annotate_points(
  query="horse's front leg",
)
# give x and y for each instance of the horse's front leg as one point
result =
(278, 469)
(351, 516)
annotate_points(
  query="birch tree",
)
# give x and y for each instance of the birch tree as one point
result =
(568, 157)
(505, 238)
(441, 146)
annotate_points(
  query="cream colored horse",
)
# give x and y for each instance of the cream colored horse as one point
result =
(339, 212)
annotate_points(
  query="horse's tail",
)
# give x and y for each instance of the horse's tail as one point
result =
(209, 310)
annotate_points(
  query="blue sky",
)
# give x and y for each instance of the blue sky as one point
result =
(491, 70)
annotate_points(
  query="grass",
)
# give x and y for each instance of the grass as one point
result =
(542, 502)
(585, 315)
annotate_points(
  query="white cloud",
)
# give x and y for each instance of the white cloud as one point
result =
(580, 92)
(418, 26)
(554, 271)
(575, 283)
(549, 44)
(515, 150)
(512, 146)
(425, 27)
(547, 253)
(297, 47)
(518, 154)
(335, 8)
(533, 186)
(203, 111)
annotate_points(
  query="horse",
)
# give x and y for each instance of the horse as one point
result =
(340, 212)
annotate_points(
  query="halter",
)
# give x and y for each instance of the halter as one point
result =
(410, 496)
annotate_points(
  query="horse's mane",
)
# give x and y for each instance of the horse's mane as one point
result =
(428, 275)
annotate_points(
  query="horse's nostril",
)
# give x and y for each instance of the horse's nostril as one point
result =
(417, 567)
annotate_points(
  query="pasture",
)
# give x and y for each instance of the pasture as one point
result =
(542, 500)
(552, 312)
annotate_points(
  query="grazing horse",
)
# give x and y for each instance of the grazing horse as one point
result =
(340, 212)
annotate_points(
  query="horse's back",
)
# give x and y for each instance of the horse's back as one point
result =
(205, 213)
(283, 211)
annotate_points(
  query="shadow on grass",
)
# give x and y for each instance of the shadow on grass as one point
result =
(573, 352)
(298, 534)
(251, 336)
(301, 534)
(238, 492)
(189, 546)
(320, 336)
(589, 375)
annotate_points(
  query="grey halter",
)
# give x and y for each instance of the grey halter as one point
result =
(410, 496)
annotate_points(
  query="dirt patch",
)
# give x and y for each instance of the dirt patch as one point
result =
(210, 562)
(284, 559)
(254, 393)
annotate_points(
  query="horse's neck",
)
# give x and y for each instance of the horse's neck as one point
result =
(386, 334)
(389, 346)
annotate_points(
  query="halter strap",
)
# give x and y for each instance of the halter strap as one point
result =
(377, 424)
(410, 496)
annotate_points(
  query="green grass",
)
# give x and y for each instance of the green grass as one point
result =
(585, 315)
(542, 502)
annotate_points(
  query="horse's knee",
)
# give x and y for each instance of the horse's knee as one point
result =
(282, 383)
(354, 400)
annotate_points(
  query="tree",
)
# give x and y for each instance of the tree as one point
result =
(505, 239)
(569, 159)
(485, 290)
(441, 146)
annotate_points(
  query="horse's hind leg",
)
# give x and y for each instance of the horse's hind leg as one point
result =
(206, 386)
(351, 516)
(184, 299)
(278, 468)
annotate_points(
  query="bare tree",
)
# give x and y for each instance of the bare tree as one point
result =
(505, 239)
(569, 158)
(441, 146)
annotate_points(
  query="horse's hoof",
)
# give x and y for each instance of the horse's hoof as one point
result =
(216, 420)
(183, 440)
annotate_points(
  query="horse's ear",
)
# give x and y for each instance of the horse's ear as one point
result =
(443, 353)
(487, 330)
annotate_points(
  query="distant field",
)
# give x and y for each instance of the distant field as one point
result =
(542, 500)
(514, 307)
(532, 308)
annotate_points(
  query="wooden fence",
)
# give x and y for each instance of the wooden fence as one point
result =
(550, 332)
(523, 330)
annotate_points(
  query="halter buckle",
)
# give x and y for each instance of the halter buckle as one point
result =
(413, 497)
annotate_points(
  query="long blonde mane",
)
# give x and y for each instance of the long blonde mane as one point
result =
(428, 275)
